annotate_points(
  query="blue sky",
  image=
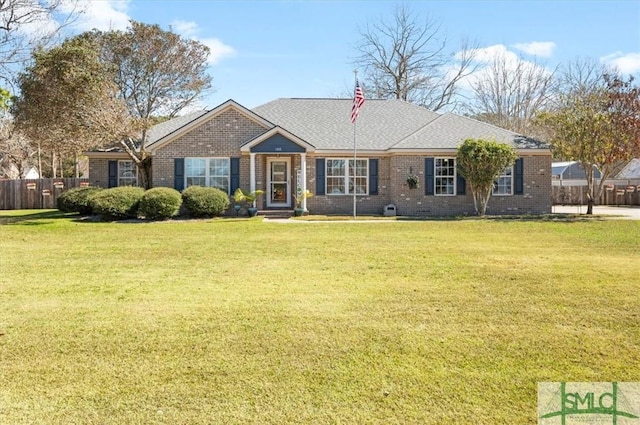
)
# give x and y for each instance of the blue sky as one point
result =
(263, 50)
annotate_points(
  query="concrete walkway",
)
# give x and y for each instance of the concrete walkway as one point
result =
(624, 212)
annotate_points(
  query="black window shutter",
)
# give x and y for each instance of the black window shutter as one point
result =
(428, 176)
(178, 174)
(113, 174)
(320, 174)
(235, 174)
(461, 185)
(519, 176)
(373, 177)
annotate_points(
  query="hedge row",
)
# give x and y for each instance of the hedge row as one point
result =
(159, 203)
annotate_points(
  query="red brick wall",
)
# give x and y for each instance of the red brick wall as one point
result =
(221, 136)
(393, 189)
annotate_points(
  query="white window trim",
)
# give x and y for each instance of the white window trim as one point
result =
(503, 174)
(346, 177)
(120, 177)
(435, 176)
(207, 170)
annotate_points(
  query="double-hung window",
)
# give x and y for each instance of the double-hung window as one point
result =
(127, 173)
(503, 185)
(214, 172)
(344, 176)
(219, 173)
(445, 176)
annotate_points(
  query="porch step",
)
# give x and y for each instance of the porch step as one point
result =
(275, 213)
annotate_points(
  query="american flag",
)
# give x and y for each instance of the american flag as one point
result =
(358, 100)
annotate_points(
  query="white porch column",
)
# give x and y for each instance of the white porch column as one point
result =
(252, 173)
(303, 166)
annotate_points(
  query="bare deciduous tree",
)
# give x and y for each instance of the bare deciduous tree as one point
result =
(581, 76)
(408, 59)
(509, 93)
(157, 72)
(28, 24)
(104, 88)
(17, 153)
(68, 102)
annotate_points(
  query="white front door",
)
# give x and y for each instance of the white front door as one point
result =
(278, 182)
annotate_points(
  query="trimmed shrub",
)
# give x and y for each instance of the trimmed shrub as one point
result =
(117, 203)
(205, 201)
(160, 203)
(77, 200)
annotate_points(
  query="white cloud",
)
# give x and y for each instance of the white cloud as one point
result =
(218, 49)
(625, 63)
(185, 28)
(486, 56)
(543, 49)
(103, 15)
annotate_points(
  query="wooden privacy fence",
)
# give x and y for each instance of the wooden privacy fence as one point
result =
(36, 193)
(616, 193)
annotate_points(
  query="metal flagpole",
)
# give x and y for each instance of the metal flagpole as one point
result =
(355, 72)
(354, 171)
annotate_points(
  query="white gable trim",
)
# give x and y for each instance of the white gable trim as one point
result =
(218, 110)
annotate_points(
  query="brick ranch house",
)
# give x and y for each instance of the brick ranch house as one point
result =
(290, 145)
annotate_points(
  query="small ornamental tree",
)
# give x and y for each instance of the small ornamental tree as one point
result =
(481, 162)
(597, 123)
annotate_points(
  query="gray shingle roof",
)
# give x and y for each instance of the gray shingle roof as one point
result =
(325, 123)
(450, 130)
(381, 125)
(631, 170)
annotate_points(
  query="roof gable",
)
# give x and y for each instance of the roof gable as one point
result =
(164, 133)
(277, 140)
(165, 128)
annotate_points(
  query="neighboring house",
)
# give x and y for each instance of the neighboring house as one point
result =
(10, 171)
(290, 145)
(631, 171)
(571, 170)
(571, 173)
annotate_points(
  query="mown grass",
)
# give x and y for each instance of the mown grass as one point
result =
(243, 321)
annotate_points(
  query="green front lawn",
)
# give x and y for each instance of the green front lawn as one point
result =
(250, 322)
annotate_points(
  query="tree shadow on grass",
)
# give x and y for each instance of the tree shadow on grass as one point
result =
(48, 216)
(556, 218)
(35, 218)
(552, 218)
